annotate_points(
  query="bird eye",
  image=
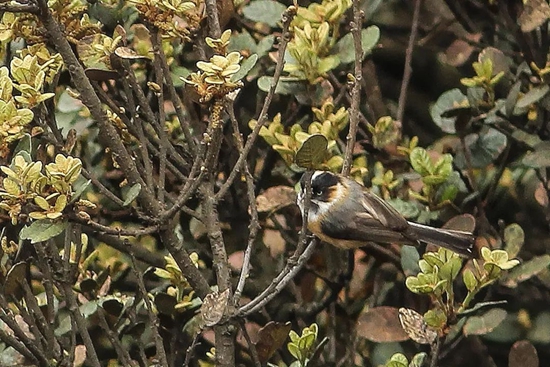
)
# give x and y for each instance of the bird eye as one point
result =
(317, 192)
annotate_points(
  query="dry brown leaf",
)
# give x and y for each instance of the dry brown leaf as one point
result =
(381, 325)
(414, 325)
(275, 198)
(535, 13)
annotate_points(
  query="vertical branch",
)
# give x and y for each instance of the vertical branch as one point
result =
(254, 224)
(407, 72)
(213, 19)
(356, 88)
(153, 319)
(176, 101)
(161, 116)
(66, 288)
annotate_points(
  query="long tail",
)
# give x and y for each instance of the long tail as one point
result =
(457, 241)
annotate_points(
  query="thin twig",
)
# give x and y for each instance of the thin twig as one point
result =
(125, 246)
(176, 101)
(65, 285)
(19, 347)
(251, 346)
(293, 265)
(161, 117)
(6, 316)
(435, 348)
(189, 352)
(122, 353)
(254, 224)
(116, 231)
(280, 282)
(356, 89)
(153, 319)
(408, 59)
(287, 17)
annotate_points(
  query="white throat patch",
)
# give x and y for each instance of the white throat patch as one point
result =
(315, 213)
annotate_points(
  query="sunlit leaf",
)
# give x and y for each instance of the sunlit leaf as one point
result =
(312, 152)
(42, 230)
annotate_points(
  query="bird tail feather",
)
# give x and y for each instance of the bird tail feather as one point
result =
(457, 241)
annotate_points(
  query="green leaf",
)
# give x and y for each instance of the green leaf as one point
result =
(526, 270)
(242, 41)
(408, 209)
(448, 101)
(418, 360)
(80, 188)
(421, 162)
(514, 237)
(480, 305)
(264, 11)
(246, 66)
(24, 145)
(434, 180)
(312, 152)
(512, 98)
(435, 318)
(132, 194)
(540, 332)
(397, 360)
(444, 166)
(286, 86)
(409, 260)
(469, 280)
(344, 47)
(265, 45)
(42, 230)
(326, 64)
(481, 325)
(539, 158)
(449, 271)
(294, 350)
(485, 147)
(507, 331)
(177, 73)
(533, 96)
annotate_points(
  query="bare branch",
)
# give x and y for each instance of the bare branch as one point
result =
(408, 58)
(356, 88)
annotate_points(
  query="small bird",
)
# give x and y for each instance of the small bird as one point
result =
(342, 213)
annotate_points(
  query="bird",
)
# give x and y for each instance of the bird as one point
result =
(344, 214)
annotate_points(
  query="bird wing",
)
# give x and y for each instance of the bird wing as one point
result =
(373, 220)
(377, 209)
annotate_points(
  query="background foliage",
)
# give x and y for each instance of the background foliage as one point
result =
(150, 149)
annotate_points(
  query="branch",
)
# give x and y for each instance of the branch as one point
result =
(293, 265)
(408, 58)
(254, 224)
(153, 319)
(90, 99)
(356, 89)
(20, 8)
(213, 20)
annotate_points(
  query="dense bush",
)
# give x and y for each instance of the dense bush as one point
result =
(150, 149)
